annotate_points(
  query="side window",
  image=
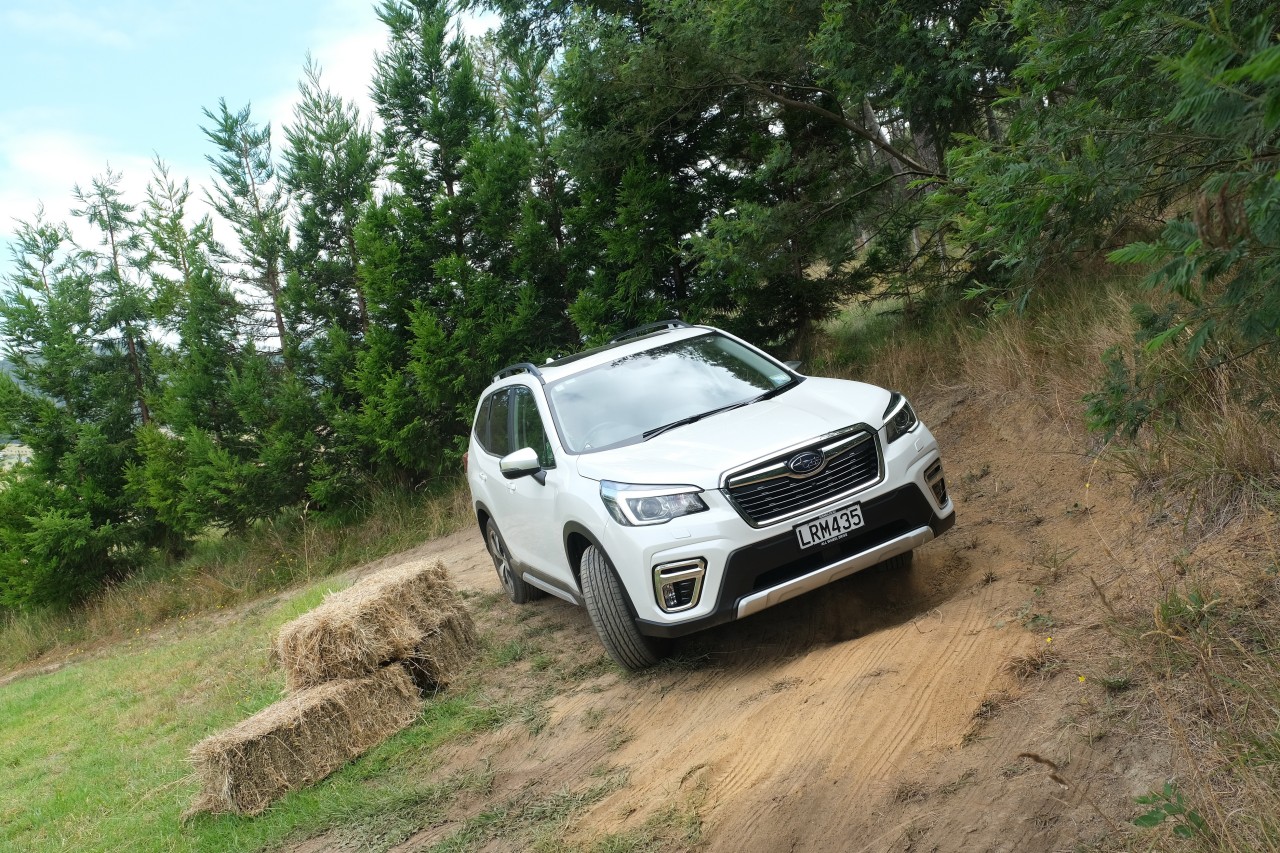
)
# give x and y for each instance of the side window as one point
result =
(499, 423)
(530, 431)
(482, 422)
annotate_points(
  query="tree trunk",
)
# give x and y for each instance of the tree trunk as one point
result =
(899, 173)
(137, 376)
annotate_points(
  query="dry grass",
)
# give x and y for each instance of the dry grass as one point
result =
(409, 611)
(1041, 663)
(1217, 454)
(1212, 675)
(300, 740)
(224, 571)
(1050, 355)
(448, 644)
(1212, 449)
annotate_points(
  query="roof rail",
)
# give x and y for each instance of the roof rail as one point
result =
(674, 323)
(522, 367)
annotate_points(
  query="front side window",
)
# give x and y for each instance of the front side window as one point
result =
(529, 430)
(636, 397)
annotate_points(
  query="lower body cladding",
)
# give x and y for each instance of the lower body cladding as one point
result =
(771, 571)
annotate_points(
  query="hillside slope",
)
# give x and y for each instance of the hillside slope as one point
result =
(891, 711)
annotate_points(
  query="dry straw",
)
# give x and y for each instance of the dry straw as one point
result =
(301, 739)
(448, 642)
(408, 613)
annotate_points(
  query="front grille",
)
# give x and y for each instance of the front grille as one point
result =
(770, 491)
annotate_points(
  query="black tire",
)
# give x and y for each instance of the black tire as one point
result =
(607, 606)
(517, 590)
(898, 562)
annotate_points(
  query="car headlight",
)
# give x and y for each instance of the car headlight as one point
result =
(635, 505)
(899, 417)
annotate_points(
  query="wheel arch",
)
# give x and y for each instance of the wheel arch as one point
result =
(577, 538)
(482, 516)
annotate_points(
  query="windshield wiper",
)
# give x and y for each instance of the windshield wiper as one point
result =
(773, 392)
(650, 433)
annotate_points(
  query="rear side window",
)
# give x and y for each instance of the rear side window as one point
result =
(493, 429)
(482, 422)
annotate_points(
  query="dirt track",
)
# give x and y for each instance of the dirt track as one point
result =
(877, 714)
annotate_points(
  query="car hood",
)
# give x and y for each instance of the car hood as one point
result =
(698, 453)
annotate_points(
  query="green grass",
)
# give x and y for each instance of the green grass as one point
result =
(853, 337)
(94, 756)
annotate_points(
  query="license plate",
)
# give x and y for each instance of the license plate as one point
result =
(830, 527)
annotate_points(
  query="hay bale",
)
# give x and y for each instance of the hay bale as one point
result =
(385, 617)
(301, 739)
(444, 650)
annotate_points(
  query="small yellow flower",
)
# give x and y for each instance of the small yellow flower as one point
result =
(1080, 678)
(1048, 639)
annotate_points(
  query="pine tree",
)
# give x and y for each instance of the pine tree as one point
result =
(249, 196)
(65, 521)
(200, 433)
(422, 269)
(330, 166)
(122, 283)
(198, 307)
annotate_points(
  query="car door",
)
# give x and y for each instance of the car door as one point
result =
(493, 437)
(532, 499)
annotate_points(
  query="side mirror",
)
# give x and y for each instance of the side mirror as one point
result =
(520, 463)
(793, 365)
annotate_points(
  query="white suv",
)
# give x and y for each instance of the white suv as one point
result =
(679, 478)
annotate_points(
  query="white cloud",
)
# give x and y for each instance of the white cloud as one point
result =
(344, 46)
(477, 25)
(40, 168)
(345, 52)
(40, 160)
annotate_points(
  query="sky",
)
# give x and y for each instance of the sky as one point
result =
(85, 84)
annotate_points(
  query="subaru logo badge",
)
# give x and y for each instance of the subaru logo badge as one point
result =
(806, 462)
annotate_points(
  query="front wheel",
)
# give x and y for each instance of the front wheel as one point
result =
(607, 606)
(517, 590)
(898, 562)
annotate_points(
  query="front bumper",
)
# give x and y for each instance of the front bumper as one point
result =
(768, 572)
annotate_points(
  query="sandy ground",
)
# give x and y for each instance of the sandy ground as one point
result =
(894, 710)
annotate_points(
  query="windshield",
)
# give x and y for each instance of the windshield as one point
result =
(635, 396)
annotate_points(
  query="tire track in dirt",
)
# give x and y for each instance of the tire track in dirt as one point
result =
(830, 728)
